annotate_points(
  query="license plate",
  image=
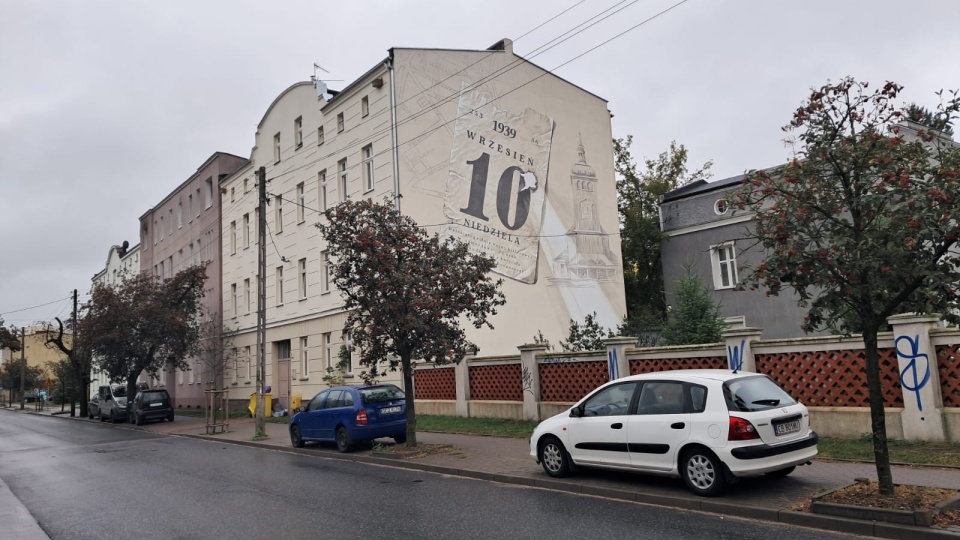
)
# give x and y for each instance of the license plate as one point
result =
(787, 427)
(396, 410)
(156, 404)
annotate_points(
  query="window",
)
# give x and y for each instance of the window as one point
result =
(233, 194)
(180, 214)
(170, 222)
(234, 299)
(348, 368)
(322, 182)
(170, 265)
(279, 285)
(209, 186)
(161, 228)
(191, 254)
(364, 106)
(319, 135)
(339, 122)
(328, 350)
(246, 231)
(301, 202)
(199, 251)
(199, 204)
(276, 148)
(298, 131)
(303, 358)
(367, 154)
(724, 266)
(190, 204)
(233, 237)
(325, 273)
(661, 398)
(155, 232)
(249, 363)
(246, 185)
(246, 295)
(720, 207)
(342, 174)
(278, 213)
(236, 366)
(303, 279)
(611, 401)
(283, 348)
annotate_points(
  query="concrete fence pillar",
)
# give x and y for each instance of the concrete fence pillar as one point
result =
(922, 414)
(530, 373)
(739, 351)
(617, 363)
(461, 374)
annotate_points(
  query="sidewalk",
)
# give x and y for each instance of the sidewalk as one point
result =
(508, 461)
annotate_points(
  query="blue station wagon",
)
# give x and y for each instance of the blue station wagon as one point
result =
(348, 415)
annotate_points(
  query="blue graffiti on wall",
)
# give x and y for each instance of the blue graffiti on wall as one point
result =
(915, 382)
(612, 366)
(735, 355)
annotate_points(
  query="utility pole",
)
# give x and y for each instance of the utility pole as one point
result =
(261, 299)
(23, 368)
(79, 378)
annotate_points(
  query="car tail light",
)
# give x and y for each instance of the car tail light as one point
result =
(741, 430)
(361, 418)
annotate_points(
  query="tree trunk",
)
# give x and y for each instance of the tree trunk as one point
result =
(877, 420)
(131, 393)
(408, 393)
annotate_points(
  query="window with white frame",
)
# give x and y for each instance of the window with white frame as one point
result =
(342, 175)
(278, 214)
(276, 148)
(199, 203)
(234, 299)
(179, 376)
(328, 350)
(283, 348)
(339, 122)
(161, 228)
(209, 185)
(190, 205)
(246, 295)
(367, 153)
(246, 231)
(236, 365)
(301, 203)
(233, 237)
(170, 222)
(279, 285)
(302, 267)
(246, 184)
(249, 363)
(304, 365)
(180, 214)
(364, 106)
(319, 135)
(325, 273)
(724, 265)
(193, 374)
(322, 182)
(298, 131)
(348, 368)
(233, 193)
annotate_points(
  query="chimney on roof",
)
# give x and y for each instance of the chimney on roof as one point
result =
(505, 44)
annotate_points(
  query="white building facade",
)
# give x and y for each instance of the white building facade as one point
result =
(123, 262)
(479, 145)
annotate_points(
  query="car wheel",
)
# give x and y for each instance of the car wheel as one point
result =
(100, 414)
(113, 416)
(170, 418)
(782, 472)
(343, 439)
(89, 414)
(702, 472)
(554, 458)
(400, 439)
(295, 438)
(137, 419)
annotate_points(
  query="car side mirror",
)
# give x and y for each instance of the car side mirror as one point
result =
(576, 412)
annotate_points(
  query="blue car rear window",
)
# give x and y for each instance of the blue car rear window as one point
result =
(380, 394)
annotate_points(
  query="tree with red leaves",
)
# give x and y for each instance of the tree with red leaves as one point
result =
(861, 223)
(406, 291)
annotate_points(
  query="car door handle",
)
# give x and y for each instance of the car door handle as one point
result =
(677, 425)
(618, 425)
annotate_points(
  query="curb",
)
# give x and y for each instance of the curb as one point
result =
(712, 506)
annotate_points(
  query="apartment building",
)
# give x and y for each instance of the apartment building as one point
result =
(123, 262)
(480, 145)
(181, 230)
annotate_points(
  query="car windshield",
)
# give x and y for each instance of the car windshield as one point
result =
(755, 394)
(120, 391)
(379, 394)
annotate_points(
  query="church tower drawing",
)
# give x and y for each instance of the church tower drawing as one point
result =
(587, 257)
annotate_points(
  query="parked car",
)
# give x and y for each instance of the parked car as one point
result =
(348, 415)
(93, 407)
(710, 427)
(151, 405)
(113, 402)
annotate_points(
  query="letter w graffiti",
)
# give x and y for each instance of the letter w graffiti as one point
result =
(735, 355)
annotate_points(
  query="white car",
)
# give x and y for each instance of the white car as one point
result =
(708, 426)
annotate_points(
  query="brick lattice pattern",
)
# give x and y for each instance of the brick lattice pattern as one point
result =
(948, 360)
(647, 365)
(499, 382)
(568, 382)
(832, 378)
(438, 383)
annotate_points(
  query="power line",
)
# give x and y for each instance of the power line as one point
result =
(521, 36)
(38, 305)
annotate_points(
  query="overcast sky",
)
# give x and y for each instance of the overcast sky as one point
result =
(105, 107)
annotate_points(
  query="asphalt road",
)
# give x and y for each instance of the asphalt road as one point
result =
(83, 480)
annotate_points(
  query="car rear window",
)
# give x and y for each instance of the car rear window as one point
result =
(154, 397)
(379, 394)
(755, 394)
(120, 391)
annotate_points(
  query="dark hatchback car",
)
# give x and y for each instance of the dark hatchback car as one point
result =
(152, 404)
(348, 415)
